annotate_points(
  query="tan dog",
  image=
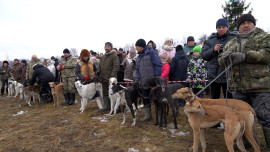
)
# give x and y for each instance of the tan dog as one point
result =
(56, 91)
(28, 92)
(245, 109)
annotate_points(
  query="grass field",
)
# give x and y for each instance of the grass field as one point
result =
(45, 128)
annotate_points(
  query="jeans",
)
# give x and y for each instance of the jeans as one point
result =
(4, 83)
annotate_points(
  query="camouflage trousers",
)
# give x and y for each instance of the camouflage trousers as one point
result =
(69, 83)
(260, 102)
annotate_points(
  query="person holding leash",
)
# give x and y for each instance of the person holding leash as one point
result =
(249, 77)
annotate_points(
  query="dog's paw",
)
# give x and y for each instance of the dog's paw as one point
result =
(123, 122)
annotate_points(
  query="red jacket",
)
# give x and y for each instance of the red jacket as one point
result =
(165, 71)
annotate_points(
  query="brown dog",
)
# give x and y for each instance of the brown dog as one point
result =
(56, 91)
(242, 107)
(28, 92)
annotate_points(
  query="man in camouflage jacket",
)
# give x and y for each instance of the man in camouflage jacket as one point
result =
(16, 71)
(5, 74)
(29, 69)
(249, 76)
(67, 67)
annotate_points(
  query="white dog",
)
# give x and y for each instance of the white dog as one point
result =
(18, 88)
(115, 98)
(11, 87)
(89, 91)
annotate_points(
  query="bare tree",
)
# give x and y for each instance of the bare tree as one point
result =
(74, 52)
(184, 40)
(202, 38)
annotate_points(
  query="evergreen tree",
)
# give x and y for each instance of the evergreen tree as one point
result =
(233, 10)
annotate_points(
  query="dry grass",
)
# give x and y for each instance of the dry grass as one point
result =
(47, 128)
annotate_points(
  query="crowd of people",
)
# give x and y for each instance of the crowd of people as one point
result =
(246, 52)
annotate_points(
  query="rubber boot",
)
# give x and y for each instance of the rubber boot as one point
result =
(67, 98)
(72, 99)
(266, 132)
(147, 113)
(43, 98)
(107, 104)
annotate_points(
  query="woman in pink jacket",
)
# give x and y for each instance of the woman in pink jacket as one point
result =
(168, 48)
(165, 59)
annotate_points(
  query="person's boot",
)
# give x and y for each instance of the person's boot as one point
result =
(147, 113)
(72, 99)
(266, 132)
(107, 104)
(43, 98)
(2, 92)
(67, 98)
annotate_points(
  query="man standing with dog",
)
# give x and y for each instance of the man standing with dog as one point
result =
(29, 69)
(249, 54)
(148, 64)
(108, 67)
(210, 51)
(67, 68)
(16, 71)
(4, 74)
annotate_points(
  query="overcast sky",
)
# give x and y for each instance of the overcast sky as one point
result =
(46, 27)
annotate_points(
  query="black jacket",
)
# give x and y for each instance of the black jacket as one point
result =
(178, 69)
(42, 73)
(211, 57)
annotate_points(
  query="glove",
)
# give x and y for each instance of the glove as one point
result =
(238, 57)
(85, 79)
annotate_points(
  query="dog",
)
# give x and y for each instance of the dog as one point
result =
(18, 88)
(11, 87)
(92, 91)
(162, 97)
(218, 106)
(128, 97)
(56, 90)
(28, 92)
(114, 97)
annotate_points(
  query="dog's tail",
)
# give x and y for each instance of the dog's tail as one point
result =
(254, 131)
(239, 140)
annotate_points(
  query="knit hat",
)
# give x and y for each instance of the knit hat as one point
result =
(190, 38)
(140, 43)
(179, 48)
(245, 17)
(66, 50)
(197, 48)
(5, 62)
(16, 60)
(167, 39)
(221, 22)
(109, 44)
(23, 61)
(84, 53)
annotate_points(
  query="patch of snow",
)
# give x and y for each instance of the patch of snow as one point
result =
(132, 150)
(96, 134)
(64, 121)
(101, 118)
(140, 106)
(181, 133)
(20, 113)
(147, 150)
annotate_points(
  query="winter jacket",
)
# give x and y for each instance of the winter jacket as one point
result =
(165, 71)
(178, 70)
(84, 69)
(51, 67)
(148, 64)
(252, 75)
(130, 68)
(42, 73)
(16, 71)
(211, 56)
(29, 70)
(69, 67)
(5, 75)
(109, 66)
(24, 68)
(170, 53)
(188, 48)
(197, 71)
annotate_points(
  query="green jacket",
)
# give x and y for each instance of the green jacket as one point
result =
(69, 67)
(29, 69)
(253, 75)
(5, 75)
(109, 66)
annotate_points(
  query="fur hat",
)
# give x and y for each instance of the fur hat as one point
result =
(84, 53)
(246, 17)
(16, 60)
(5, 62)
(221, 22)
(197, 48)
(140, 43)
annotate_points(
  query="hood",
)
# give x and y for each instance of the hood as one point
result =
(37, 66)
(180, 54)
